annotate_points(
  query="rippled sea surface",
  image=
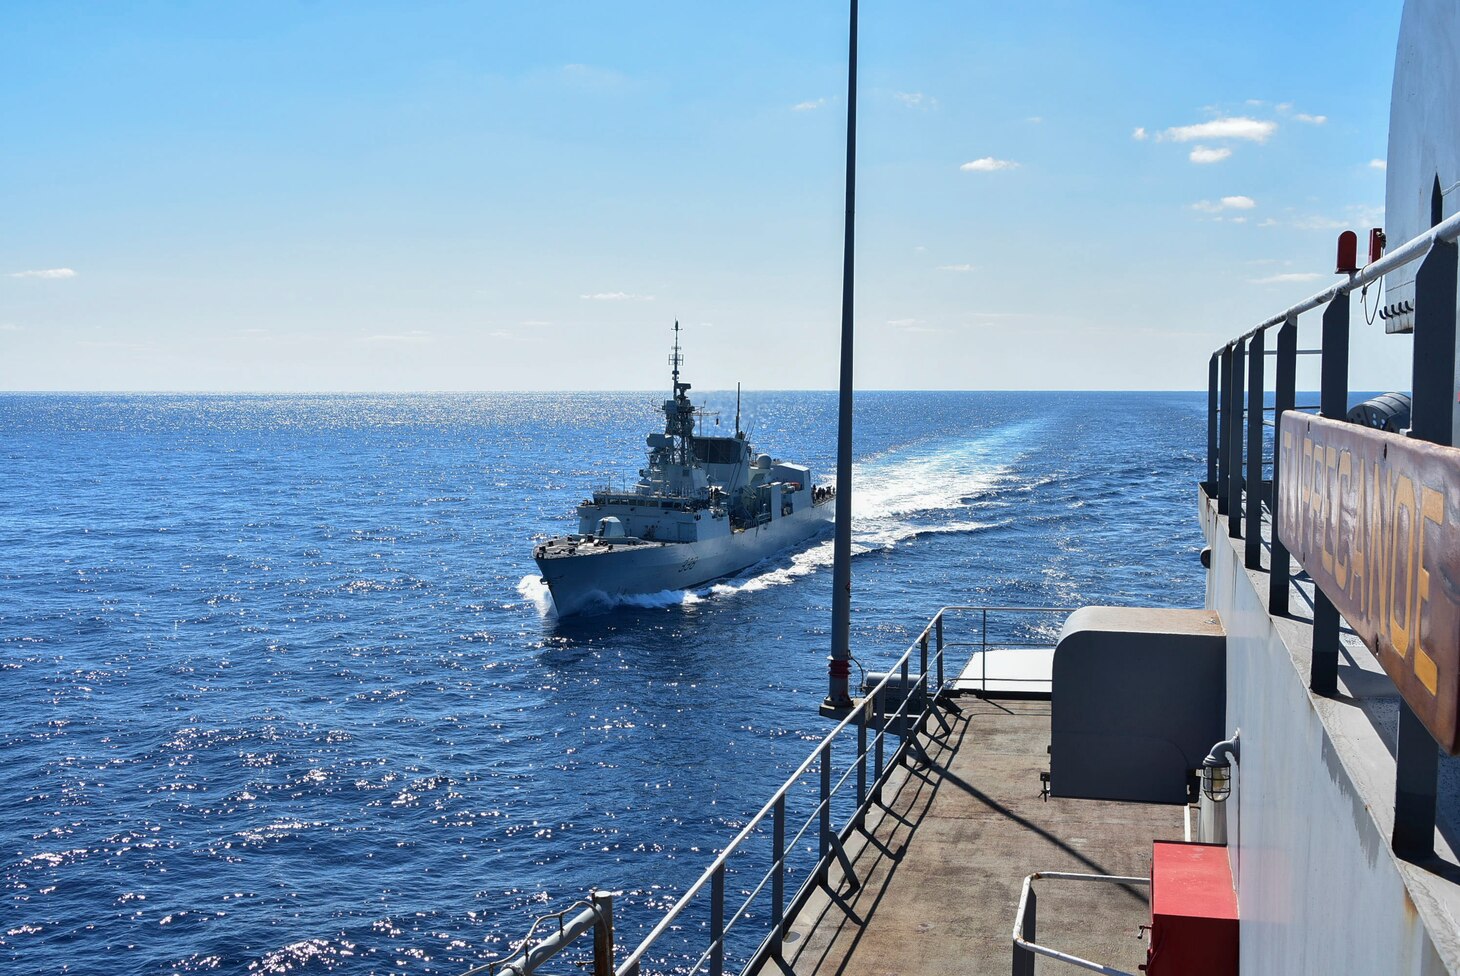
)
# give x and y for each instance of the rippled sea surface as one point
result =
(284, 694)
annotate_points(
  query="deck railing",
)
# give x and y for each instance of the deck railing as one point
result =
(881, 732)
(1020, 642)
(1237, 452)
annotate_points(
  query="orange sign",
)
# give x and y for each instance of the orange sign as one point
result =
(1375, 520)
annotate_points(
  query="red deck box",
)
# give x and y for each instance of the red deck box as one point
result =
(1193, 911)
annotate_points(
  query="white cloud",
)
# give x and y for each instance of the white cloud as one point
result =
(47, 273)
(1311, 119)
(1288, 278)
(1378, 164)
(1201, 154)
(616, 296)
(955, 267)
(1235, 127)
(1035, 119)
(1284, 106)
(1319, 223)
(911, 325)
(988, 164)
(534, 323)
(9, 327)
(916, 100)
(1226, 203)
(1140, 134)
(809, 105)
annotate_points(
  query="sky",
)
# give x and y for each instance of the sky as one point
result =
(322, 196)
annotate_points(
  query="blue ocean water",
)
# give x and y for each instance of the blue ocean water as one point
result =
(284, 696)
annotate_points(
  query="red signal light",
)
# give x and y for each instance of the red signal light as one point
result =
(1348, 253)
(1377, 240)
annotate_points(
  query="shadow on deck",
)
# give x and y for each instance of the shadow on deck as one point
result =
(947, 903)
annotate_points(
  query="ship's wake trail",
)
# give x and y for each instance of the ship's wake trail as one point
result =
(898, 496)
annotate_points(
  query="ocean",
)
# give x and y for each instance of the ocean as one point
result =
(285, 695)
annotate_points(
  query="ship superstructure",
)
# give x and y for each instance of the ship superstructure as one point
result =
(704, 506)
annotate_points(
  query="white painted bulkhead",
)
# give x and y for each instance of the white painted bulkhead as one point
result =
(1309, 819)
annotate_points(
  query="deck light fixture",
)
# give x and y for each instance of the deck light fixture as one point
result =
(1216, 769)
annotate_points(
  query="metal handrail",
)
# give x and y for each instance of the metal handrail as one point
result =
(921, 685)
(597, 916)
(984, 645)
(1024, 945)
(1237, 443)
(1413, 249)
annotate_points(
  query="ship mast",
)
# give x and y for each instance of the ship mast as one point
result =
(679, 410)
(838, 695)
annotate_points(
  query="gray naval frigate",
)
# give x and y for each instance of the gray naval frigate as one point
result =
(704, 508)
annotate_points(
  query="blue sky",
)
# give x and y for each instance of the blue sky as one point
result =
(448, 196)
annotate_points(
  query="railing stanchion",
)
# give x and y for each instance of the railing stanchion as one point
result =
(717, 922)
(1417, 756)
(1024, 958)
(983, 652)
(778, 877)
(1256, 359)
(1234, 443)
(824, 846)
(1280, 564)
(923, 677)
(938, 626)
(603, 934)
(879, 708)
(1213, 392)
(1333, 404)
(906, 710)
(861, 754)
(1224, 436)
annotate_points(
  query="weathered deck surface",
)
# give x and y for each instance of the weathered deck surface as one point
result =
(941, 880)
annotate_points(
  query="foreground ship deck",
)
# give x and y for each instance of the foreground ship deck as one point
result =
(941, 870)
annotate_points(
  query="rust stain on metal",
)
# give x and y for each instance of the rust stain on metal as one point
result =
(1373, 518)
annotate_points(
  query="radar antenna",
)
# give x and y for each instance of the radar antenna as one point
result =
(676, 359)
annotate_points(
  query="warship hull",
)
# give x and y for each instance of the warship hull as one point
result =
(600, 573)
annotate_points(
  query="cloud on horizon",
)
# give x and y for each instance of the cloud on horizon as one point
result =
(411, 336)
(988, 164)
(616, 296)
(1226, 203)
(808, 106)
(46, 273)
(916, 100)
(955, 267)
